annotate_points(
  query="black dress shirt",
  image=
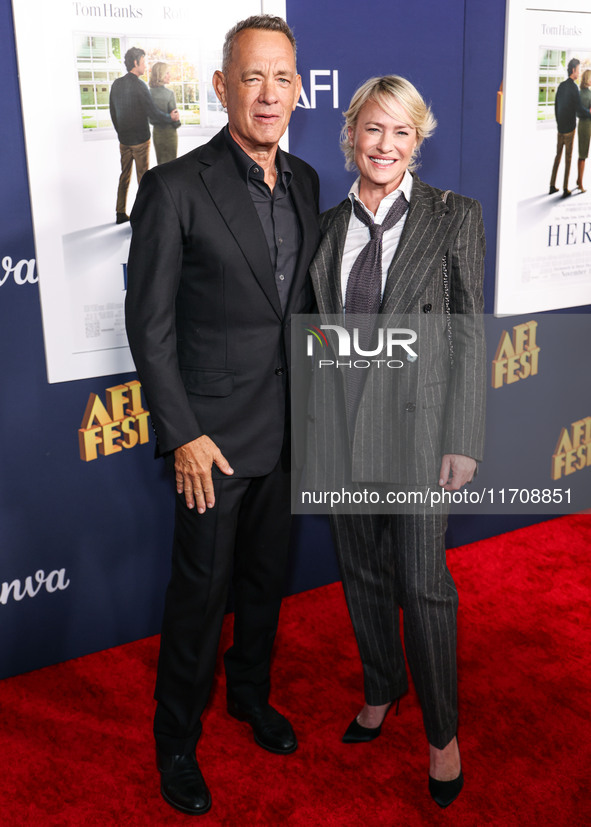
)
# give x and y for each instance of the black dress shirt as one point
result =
(567, 105)
(131, 104)
(276, 212)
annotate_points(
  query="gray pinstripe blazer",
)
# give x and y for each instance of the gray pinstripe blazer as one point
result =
(408, 419)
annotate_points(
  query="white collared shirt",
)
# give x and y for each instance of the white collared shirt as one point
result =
(358, 234)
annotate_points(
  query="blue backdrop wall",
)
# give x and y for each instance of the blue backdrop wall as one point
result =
(85, 545)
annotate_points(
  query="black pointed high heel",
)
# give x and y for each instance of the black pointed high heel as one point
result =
(445, 793)
(357, 734)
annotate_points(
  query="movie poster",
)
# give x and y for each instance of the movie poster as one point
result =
(544, 239)
(69, 55)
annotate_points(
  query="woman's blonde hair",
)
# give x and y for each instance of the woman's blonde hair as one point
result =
(157, 74)
(389, 92)
(586, 79)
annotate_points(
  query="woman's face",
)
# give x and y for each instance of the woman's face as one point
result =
(383, 145)
(166, 78)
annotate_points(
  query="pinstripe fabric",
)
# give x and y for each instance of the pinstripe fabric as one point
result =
(404, 425)
(390, 562)
(435, 410)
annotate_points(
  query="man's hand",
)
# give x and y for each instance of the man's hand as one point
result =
(456, 471)
(175, 115)
(192, 465)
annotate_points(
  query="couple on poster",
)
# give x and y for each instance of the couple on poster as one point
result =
(133, 108)
(223, 239)
(570, 104)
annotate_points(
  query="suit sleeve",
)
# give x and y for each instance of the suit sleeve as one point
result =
(153, 276)
(465, 404)
(316, 190)
(113, 111)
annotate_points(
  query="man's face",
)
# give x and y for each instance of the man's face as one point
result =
(576, 72)
(140, 66)
(260, 89)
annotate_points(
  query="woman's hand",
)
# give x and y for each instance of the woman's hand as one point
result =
(456, 471)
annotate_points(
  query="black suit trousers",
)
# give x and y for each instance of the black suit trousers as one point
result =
(243, 539)
(389, 562)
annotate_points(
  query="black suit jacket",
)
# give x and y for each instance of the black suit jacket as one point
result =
(204, 322)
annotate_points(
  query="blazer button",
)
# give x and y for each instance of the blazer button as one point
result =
(427, 308)
(410, 407)
(279, 371)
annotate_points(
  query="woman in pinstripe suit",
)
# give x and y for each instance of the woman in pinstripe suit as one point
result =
(430, 255)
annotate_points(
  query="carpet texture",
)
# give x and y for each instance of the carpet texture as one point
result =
(76, 745)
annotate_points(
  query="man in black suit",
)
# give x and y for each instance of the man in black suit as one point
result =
(222, 239)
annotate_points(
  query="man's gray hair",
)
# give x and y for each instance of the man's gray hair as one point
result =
(265, 22)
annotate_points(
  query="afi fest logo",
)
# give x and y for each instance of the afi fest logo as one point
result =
(329, 83)
(573, 449)
(517, 356)
(387, 340)
(123, 423)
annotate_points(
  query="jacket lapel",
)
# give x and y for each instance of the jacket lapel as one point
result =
(422, 242)
(308, 219)
(325, 269)
(231, 196)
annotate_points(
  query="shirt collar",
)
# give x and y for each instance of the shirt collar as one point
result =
(248, 167)
(386, 202)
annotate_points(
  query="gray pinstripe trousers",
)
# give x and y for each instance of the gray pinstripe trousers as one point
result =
(388, 562)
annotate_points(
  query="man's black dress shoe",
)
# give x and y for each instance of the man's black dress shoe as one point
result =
(121, 218)
(445, 792)
(553, 190)
(182, 784)
(271, 729)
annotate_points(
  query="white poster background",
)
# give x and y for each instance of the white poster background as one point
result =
(74, 172)
(543, 247)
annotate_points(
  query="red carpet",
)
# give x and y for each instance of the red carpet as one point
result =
(76, 746)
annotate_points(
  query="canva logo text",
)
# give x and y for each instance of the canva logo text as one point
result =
(32, 585)
(21, 272)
